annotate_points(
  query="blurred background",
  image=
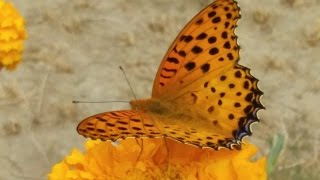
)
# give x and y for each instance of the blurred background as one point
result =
(75, 47)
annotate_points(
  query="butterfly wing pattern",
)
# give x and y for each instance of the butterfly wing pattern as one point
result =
(118, 125)
(201, 95)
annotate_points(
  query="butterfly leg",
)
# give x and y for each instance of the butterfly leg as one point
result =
(167, 160)
(141, 146)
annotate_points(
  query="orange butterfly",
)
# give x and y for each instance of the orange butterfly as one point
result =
(201, 95)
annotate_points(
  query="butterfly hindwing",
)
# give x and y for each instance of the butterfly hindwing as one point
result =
(118, 125)
(229, 102)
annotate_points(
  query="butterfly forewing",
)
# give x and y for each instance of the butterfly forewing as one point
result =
(205, 48)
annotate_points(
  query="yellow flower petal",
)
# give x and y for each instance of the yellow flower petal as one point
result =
(86, 175)
(220, 170)
(12, 36)
(160, 159)
(59, 171)
(75, 158)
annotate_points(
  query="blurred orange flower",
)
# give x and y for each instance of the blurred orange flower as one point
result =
(12, 35)
(158, 159)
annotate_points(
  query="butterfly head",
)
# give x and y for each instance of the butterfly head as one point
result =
(138, 104)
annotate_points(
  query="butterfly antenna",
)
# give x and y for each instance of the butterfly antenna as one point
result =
(128, 82)
(76, 102)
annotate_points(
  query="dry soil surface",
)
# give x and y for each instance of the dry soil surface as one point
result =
(74, 49)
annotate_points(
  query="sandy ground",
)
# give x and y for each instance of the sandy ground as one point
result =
(74, 50)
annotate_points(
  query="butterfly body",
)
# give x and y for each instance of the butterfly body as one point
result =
(164, 109)
(166, 112)
(201, 95)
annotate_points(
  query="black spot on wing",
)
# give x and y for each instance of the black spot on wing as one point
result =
(173, 60)
(205, 68)
(190, 65)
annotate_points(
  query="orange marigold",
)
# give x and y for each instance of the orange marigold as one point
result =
(12, 35)
(158, 159)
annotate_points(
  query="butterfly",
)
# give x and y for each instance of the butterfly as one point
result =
(201, 95)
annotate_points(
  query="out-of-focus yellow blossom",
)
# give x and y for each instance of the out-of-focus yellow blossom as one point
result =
(12, 35)
(158, 159)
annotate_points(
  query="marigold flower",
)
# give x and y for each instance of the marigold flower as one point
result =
(158, 159)
(12, 35)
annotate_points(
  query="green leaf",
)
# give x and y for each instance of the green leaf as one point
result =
(276, 149)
